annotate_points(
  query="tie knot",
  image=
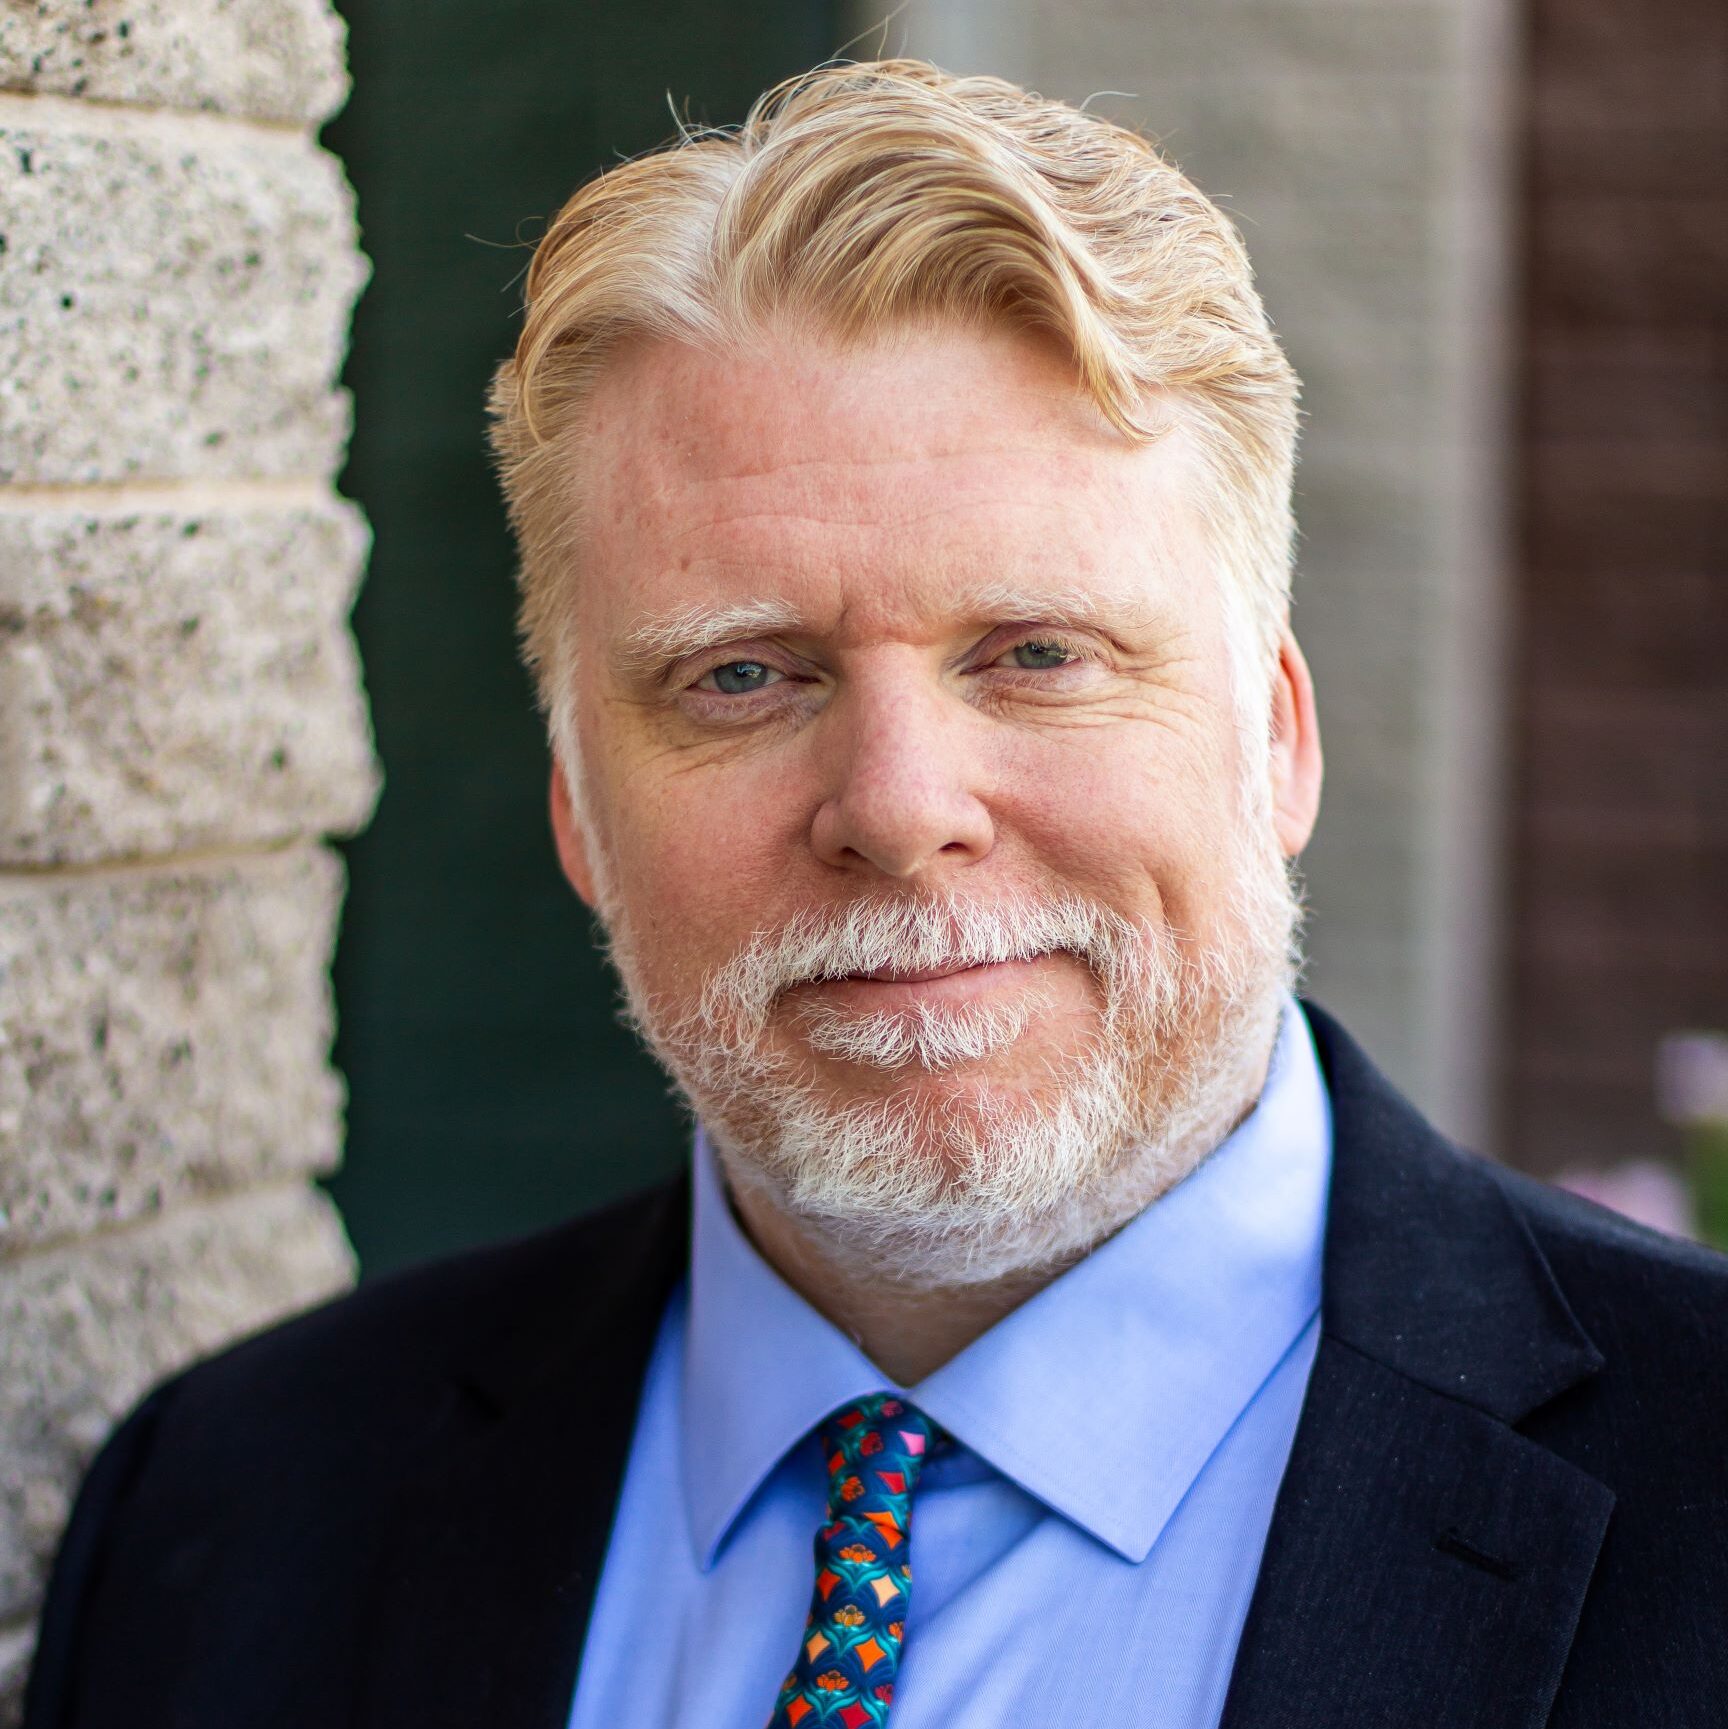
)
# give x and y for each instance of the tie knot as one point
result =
(875, 1450)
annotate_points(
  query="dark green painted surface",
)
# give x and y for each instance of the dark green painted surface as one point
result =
(491, 1088)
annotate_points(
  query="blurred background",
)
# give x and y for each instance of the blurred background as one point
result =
(1494, 236)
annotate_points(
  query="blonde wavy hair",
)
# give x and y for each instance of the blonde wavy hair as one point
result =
(861, 196)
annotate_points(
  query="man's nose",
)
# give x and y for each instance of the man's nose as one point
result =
(904, 780)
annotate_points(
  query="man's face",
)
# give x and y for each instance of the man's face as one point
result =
(907, 634)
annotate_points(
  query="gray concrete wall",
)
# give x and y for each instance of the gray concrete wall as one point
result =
(180, 709)
(1362, 147)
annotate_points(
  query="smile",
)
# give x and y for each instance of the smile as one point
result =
(891, 987)
(915, 975)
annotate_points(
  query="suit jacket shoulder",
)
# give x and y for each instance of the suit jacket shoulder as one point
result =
(1504, 1504)
(1657, 1306)
(1652, 1425)
(261, 1490)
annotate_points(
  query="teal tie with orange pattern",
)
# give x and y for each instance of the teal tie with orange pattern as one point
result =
(850, 1653)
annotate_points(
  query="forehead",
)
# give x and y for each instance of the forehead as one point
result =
(884, 476)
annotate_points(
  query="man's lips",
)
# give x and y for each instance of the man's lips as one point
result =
(953, 982)
(916, 975)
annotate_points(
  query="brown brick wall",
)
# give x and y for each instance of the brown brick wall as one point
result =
(1620, 885)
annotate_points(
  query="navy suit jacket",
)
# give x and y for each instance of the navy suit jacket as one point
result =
(1506, 1505)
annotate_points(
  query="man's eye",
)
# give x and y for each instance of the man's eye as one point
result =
(1039, 656)
(739, 677)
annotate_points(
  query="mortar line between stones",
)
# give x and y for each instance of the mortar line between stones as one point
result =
(109, 497)
(59, 109)
(107, 1231)
(16, 873)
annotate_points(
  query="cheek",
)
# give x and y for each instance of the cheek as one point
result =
(700, 861)
(1134, 817)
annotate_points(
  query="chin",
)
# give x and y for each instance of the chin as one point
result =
(996, 1080)
(988, 1127)
(981, 1171)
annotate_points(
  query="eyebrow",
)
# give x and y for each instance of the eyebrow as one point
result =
(657, 641)
(1004, 603)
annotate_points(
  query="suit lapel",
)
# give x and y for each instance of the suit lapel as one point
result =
(1426, 1564)
(1426, 1561)
(495, 1545)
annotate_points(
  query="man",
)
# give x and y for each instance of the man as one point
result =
(903, 489)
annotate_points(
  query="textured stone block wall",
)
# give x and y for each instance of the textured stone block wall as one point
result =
(1362, 146)
(181, 717)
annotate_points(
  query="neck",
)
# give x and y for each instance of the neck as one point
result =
(907, 1330)
(910, 1328)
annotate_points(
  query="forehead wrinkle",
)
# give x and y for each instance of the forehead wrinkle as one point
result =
(862, 471)
(707, 465)
(901, 521)
(990, 501)
(820, 405)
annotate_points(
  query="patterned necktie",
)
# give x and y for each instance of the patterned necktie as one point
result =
(851, 1651)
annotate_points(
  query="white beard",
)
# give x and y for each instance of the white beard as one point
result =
(951, 1179)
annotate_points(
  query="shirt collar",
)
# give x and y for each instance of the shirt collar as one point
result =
(1103, 1396)
(761, 1367)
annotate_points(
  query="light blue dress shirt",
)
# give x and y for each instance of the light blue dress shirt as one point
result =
(1084, 1554)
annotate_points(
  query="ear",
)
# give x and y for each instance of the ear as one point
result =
(571, 841)
(1296, 761)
